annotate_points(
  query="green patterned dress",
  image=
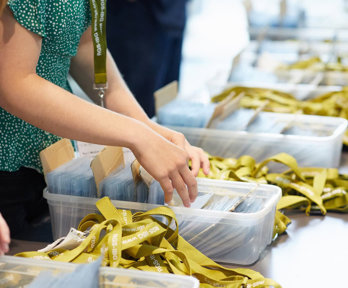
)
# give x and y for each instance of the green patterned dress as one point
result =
(60, 23)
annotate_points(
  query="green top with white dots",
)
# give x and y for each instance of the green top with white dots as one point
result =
(60, 23)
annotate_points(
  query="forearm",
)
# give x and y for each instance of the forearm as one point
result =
(55, 110)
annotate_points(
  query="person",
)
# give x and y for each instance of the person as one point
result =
(40, 43)
(4, 230)
(145, 39)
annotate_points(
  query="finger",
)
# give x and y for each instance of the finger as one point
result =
(195, 163)
(4, 247)
(191, 183)
(4, 236)
(205, 164)
(4, 231)
(168, 189)
(180, 140)
(179, 184)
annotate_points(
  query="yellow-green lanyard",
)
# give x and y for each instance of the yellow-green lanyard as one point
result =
(98, 11)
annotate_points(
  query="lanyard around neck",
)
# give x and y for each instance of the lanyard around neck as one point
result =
(98, 11)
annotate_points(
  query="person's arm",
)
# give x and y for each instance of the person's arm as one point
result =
(119, 99)
(41, 103)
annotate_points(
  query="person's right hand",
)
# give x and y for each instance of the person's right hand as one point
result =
(168, 164)
(4, 236)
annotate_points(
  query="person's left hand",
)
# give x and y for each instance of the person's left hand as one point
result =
(4, 236)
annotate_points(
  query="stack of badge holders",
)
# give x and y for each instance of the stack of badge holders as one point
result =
(73, 178)
(20, 272)
(76, 178)
(121, 186)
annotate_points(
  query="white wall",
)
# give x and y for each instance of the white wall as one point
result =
(215, 32)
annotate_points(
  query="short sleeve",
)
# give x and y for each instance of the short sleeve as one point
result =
(30, 14)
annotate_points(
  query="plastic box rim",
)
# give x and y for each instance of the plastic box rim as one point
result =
(69, 267)
(270, 136)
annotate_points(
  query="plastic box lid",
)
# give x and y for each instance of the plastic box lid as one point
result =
(22, 271)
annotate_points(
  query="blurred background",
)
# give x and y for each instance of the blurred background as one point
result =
(207, 44)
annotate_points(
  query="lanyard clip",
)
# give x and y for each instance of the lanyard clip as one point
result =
(101, 87)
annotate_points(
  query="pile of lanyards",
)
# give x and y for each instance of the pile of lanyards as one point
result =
(311, 190)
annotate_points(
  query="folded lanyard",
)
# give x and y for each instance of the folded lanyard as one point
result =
(98, 11)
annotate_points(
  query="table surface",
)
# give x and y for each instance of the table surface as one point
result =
(312, 254)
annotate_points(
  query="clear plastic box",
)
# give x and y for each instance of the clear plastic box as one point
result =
(226, 237)
(317, 151)
(19, 272)
(251, 66)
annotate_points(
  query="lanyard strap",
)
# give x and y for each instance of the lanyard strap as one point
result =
(98, 10)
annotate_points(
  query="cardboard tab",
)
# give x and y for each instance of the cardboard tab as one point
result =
(56, 155)
(256, 113)
(108, 160)
(225, 108)
(219, 109)
(135, 167)
(147, 178)
(139, 173)
(165, 95)
(232, 106)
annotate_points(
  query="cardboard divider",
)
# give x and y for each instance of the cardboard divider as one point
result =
(140, 174)
(56, 155)
(165, 95)
(106, 161)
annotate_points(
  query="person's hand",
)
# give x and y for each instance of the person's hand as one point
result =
(4, 236)
(197, 156)
(168, 164)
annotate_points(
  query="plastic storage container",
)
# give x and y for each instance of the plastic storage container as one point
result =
(227, 237)
(18, 272)
(263, 66)
(317, 151)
